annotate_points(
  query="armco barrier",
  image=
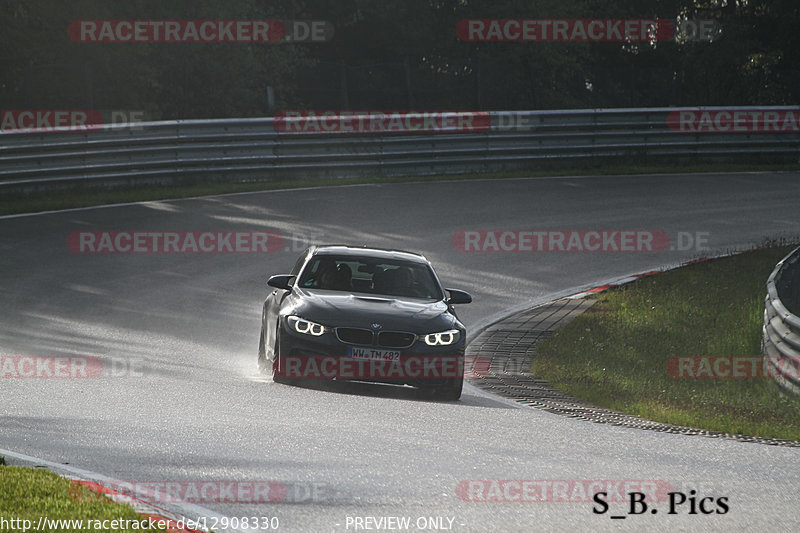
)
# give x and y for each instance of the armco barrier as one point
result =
(781, 331)
(251, 149)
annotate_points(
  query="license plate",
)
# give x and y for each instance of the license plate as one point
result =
(372, 354)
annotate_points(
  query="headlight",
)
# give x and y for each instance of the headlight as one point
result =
(301, 325)
(443, 338)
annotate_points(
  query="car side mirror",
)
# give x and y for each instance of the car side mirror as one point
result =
(281, 281)
(458, 297)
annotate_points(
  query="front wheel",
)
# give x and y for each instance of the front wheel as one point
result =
(262, 353)
(277, 363)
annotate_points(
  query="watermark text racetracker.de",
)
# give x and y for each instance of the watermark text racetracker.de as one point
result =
(55, 120)
(558, 490)
(68, 367)
(165, 242)
(331, 121)
(61, 120)
(199, 31)
(588, 241)
(49, 119)
(639, 30)
(731, 367)
(204, 492)
(389, 366)
(176, 31)
(720, 120)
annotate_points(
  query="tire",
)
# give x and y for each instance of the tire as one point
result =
(276, 358)
(450, 391)
(262, 353)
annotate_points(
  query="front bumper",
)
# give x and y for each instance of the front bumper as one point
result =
(305, 356)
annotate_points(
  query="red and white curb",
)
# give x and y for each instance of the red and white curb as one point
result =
(174, 523)
(173, 519)
(634, 277)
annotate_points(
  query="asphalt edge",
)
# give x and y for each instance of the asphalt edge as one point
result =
(524, 388)
(173, 514)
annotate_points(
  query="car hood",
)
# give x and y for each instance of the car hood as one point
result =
(335, 308)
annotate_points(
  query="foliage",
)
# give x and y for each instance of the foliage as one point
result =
(396, 54)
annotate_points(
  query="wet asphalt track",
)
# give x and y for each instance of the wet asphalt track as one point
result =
(194, 408)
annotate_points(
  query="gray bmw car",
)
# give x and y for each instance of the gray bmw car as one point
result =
(364, 314)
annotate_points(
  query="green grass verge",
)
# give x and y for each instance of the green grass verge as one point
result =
(14, 203)
(29, 493)
(615, 355)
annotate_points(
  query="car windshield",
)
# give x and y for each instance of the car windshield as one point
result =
(371, 276)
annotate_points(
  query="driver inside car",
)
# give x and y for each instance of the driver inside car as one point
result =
(403, 283)
(337, 279)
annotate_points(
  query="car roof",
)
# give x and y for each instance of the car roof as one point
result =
(378, 253)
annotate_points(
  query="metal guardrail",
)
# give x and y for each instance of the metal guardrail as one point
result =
(781, 331)
(253, 150)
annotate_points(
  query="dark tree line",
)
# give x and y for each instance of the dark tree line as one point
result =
(395, 54)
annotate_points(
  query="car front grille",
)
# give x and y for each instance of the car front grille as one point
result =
(385, 339)
(355, 336)
(396, 339)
